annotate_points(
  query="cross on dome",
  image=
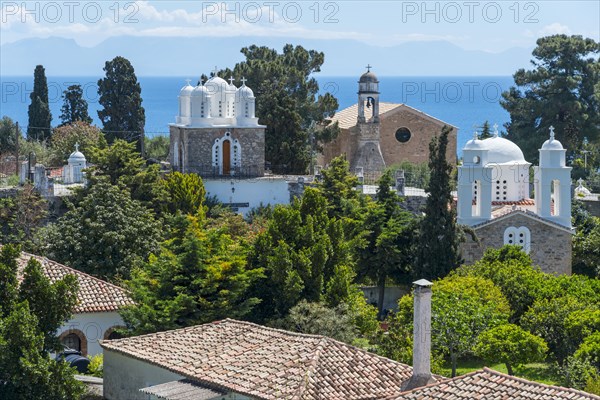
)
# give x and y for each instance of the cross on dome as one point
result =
(551, 132)
(214, 71)
(187, 81)
(369, 67)
(495, 130)
(243, 80)
(580, 181)
(76, 146)
(475, 135)
(231, 80)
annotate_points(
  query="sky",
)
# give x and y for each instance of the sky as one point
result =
(490, 26)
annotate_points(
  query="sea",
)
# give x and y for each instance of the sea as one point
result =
(464, 102)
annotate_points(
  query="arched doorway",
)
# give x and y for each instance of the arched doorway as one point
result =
(226, 157)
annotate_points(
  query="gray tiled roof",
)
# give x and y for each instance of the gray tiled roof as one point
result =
(267, 363)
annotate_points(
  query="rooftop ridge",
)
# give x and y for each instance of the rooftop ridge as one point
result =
(539, 384)
(528, 213)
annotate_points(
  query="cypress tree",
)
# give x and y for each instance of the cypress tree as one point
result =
(40, 117)
(438, 247)
(123, 116)
(74, 108)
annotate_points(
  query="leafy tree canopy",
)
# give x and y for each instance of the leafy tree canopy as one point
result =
(74, 108)
(7, 135)
(40, 118)
(562, 90)
(105, 234)
(22, 216)
(198, 276)
(65, 137)
(122, 116)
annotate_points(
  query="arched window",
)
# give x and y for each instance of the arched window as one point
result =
(520, 236)
(74, 339)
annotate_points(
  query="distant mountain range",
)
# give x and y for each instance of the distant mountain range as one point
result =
(158, 56)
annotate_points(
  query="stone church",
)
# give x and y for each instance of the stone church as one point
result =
(216, 133)
(494, 199)
(375, 134)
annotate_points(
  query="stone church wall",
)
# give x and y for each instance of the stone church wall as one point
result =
(416, 150)
(550, 247)
(197, 149)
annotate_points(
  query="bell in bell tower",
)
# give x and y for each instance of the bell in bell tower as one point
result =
(368, 97)
(368, 155)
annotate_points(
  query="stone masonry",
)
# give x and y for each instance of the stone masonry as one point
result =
(194, 148)
(550, 243)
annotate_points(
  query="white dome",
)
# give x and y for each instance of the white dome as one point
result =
(76, 157)
(502, 151)
(245, 92)
(216, 85)
(552, 144)
(199, 91)
(186, 90)
(474, 144)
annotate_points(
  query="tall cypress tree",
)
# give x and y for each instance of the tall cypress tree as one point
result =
(123, 116)
(40, 117)
(74, 108)
(438, 250)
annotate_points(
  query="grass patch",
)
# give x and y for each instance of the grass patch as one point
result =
(537, 372)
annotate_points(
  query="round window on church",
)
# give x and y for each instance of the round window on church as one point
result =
(403, 135)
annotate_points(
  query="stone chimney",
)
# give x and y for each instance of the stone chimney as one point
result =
(422, 337)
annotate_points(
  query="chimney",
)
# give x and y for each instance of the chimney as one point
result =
(421, 337)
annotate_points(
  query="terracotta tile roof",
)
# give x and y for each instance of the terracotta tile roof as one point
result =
(488, 384)
(95, 295)
(267, 363)
(346, 118)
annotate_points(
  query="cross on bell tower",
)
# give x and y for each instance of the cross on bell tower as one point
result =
(368, 97)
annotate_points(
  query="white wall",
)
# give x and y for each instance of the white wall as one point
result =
(252, 191)
(94, 326)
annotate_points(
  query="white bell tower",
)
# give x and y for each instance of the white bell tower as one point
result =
(474, 184)
(553, 183)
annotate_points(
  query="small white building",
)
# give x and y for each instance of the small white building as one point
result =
(96, 315)
(73, 171)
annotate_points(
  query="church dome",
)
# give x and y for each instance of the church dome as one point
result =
(552, 144)
(245, 92)
(475, 144)
(502, 151)
(368, 77)
(199, 91)
(186, 90)
(216, 84)
(76, 157)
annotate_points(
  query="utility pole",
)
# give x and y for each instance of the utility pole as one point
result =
(17, 148)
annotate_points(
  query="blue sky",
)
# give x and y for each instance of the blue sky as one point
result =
(491, 26)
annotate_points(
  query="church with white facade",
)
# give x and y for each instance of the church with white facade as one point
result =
(217, 136)
(494, 199)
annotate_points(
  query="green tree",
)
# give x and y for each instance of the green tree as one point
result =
(74, 108)
(561, 91)
(462, 308)
(438, 252)
(485, 131)
(65, 137)
(122, 116)
(318, 319)
(121, 164)
(547, 318)
(300, 251)
(105, 234)
(40, 117)
(185, 193)
(288, 102)
(513, 272)
(388, 253)
(198, 276)
(590, 350)
(7, 135)
(30, 314)
(511, 345)
(157, 148)
(21, 216)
